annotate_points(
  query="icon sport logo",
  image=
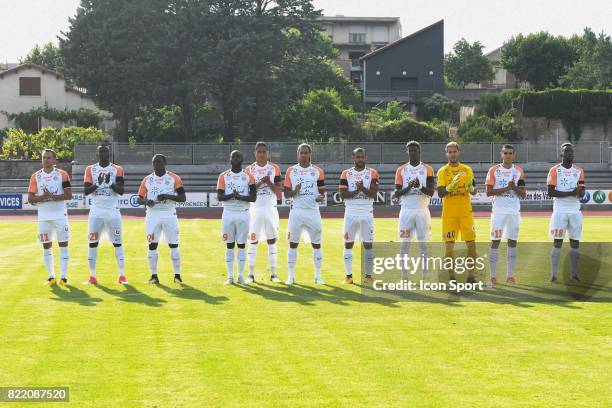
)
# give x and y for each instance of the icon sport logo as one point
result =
(599, 196)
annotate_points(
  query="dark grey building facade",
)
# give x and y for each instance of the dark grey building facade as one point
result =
(406, 69)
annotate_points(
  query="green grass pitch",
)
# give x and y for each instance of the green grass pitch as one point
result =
(269, 345)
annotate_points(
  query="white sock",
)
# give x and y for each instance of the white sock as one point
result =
(120, 257)
(175, 256)
(229, 263)
(555, 253)
(153, 255)
(348, 261)
(64, 258)
(423, 253)
(92, 256)
(493, 257)
(369, 259)
(241, 261)
(574, 258)
(317, 257)
(48, 261)
(510, 261)
(252, 258)
(273, 258)
(291, 261)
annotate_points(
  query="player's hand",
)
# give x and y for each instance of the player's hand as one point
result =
(359, 185)
(150, 203)
(511, 185)
(162, 197)
(265, 180)
(320, 198)
(580, 190)
(415, 183)
(235, 194)
(452, 186)
(100, 179)
(298, 187)
(46, 196)
(107, 179)
(470, 184)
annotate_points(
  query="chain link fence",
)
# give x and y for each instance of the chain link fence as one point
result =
(378, 153)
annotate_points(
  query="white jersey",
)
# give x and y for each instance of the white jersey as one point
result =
(311, 178)
(54, 182)
(229, 182)
(154, 185)
(360, 204)
(414, 199)
(104, 196)
(499, 177)
(266, 197)
(565, 180)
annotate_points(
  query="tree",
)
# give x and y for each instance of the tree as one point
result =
(321, 116)
(466, 64)
(108, 51)
(438, 107)
(540, 58)
(48, 56)
(593, 70)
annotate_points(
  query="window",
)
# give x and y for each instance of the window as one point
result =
(357, 38)
(29, 86)
(354, 57)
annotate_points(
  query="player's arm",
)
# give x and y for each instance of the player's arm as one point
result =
(520, 188)
(67, 194)
(373, 190)
(343, 188)
(252, 197)
(142, 195)
(289, 191)
(180, 196)
(33, 189)
(221, 196)
(321, 187)
(119, 185)
(88, 185)
(429, 187)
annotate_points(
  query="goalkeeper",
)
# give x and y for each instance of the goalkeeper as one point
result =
(455, 185)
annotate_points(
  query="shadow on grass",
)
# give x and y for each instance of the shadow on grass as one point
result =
(130, 294)
(188, 292)
(70, 293)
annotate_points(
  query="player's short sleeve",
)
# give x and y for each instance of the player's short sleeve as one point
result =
(88, 178)
(521, 180)
(430, 172)
(33, 186)
(441, 178)
(321, 178)
(551, 180)
(490, 180)
(399, 177)
(277, 171)
(344, 179)
(581, 176)
(375, 177)
(142, 191)
(119, 169)
(221, 182)
(288, 178)
(178, 183)
(251, 178)
(65, 179)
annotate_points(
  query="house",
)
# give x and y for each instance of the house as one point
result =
(355, 37)
(407, 69)
(29, 86)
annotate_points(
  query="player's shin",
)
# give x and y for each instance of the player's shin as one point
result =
(404, 252)
(369, 260)
(317, 256)
(493, 257)
(175, 256)
(229, 262)
(423, 255)
(511, 261)
(348, 261)
(48, 261)
(252, 258)
(241, 261)
(92, 257)
(153, 255)
(574, 259)
(273, 258)
(291, 261)
(64, 258)
(555, 254)
(120, 257)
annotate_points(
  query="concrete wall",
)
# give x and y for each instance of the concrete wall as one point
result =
(542, 129)
(340, 30)
(53, 93)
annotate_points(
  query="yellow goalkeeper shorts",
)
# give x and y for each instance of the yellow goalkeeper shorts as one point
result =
(453, 226)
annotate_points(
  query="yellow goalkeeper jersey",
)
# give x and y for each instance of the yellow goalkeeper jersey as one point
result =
(458, 202)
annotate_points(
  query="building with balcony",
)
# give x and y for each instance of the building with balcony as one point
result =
(355, 37)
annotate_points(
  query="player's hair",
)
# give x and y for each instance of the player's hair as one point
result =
(49, 151)
(104, 146)
(359, 150)
(305, 145)
(452, 144)
(508, 146)
(261, 144)
(567, 144)
(160, 155)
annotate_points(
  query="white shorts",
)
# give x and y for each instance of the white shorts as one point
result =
(235, 226)
(564, 224)
(166, 223)
(50, 228)
(263, 224)
(505, 226)
(301, 219)
(103, 220)
(358, 227)
(414, 223)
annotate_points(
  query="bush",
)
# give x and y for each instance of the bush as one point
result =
(21, 145)
(438, 107)
(480, 134)
(504, 126)
(402, 130)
